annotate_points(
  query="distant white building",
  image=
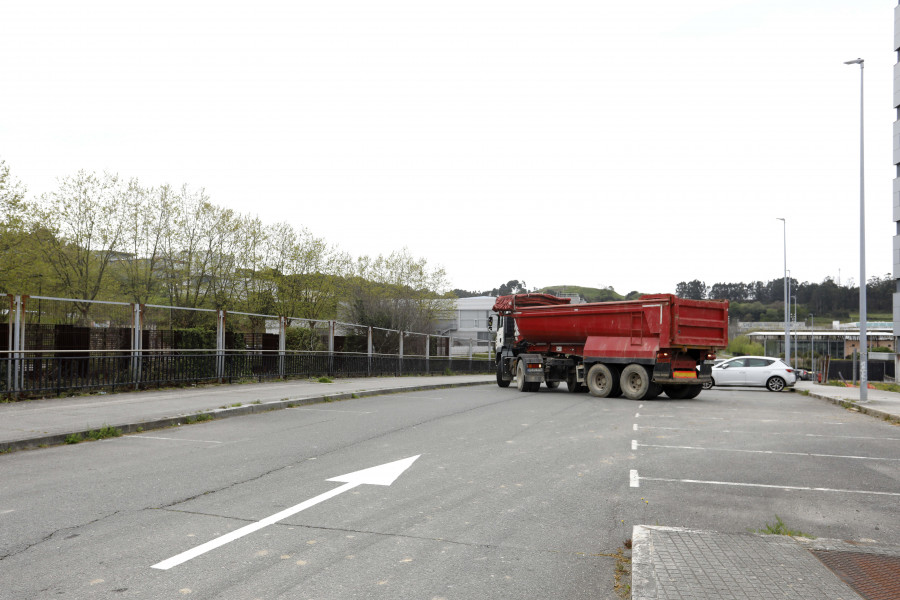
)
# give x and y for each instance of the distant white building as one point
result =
(468, 318)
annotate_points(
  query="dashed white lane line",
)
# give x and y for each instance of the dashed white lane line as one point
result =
(792, 433)
(636, 415)
(636, 482)
(635, 445)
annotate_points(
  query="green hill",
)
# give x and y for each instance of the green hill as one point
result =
(588, 293)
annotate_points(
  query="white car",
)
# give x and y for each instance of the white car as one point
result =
(756, 371)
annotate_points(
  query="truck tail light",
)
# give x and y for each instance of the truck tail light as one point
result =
(710, 356)
(534, 365)
(662, 356)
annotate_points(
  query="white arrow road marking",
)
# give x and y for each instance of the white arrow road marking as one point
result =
(384, 474)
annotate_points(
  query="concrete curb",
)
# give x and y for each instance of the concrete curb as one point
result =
(866, 410)
(56, 439)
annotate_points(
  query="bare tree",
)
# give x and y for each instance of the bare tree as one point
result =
(147, 213)
(81, 228)
(396, 292)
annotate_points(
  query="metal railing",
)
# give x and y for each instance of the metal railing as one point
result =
(66, 352)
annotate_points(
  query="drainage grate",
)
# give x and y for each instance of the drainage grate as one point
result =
(872, 576)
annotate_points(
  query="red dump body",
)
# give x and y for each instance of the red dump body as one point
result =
(629, 329)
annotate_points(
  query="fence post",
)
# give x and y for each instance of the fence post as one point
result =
(332, 326)
(220, 345)
(369, 352)
(16, 372)
(137, 342)
(400, 362)
(427, 354)
(470, 356)
(282, 344)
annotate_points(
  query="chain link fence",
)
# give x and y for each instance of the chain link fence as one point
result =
(62, 346)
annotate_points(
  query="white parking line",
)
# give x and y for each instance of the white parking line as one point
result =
(356, 412)
(816, 435)
(636, 482)
(635, 445)
(151, 437)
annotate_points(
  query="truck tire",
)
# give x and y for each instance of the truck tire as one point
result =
(602, 381)
(635, 382)
(677, 392)
(654, 391)
(552, 385)
(695, 391)
(573, 385)
(521, 384)
(500, 380)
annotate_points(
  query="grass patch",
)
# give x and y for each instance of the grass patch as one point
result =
(236, 405)
(74, 438)
(779, 528)
(104, 432)
(325, 380)
(199, 419)
(257, 402)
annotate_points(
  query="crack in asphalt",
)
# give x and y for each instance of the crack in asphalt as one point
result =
(52, 534)
(406, 536)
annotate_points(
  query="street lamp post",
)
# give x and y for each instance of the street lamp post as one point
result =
(787, 306)
(812, 345)
(863, 342)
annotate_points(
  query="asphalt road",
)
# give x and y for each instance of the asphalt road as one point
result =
(513, 495)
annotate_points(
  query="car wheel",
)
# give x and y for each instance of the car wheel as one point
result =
(775, 384)
(707, 385)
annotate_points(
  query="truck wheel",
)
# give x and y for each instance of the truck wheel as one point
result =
(500, 380)
(694, 391)
(551, 384)
(677, 392)
(521, 384)
(654, 391)
(573, 385)
(635, 382)
(602, 381)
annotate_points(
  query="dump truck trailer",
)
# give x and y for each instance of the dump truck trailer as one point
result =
(636, 348)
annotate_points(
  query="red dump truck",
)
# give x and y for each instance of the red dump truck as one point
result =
(636, 348)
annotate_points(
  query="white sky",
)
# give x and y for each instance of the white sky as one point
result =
(598, 143)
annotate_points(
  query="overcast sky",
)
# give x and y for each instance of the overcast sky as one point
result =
(631, 144)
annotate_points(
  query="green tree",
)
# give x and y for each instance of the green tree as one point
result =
(17, 249)
(694, 290)
(742, 346)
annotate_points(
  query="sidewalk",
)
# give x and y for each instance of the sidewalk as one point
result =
(880, 404)
(673, 562)
(46, 422)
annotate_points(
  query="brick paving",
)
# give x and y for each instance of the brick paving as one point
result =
(670, 563)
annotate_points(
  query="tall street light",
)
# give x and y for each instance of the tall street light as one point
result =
(787, 303)
(863, 342)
